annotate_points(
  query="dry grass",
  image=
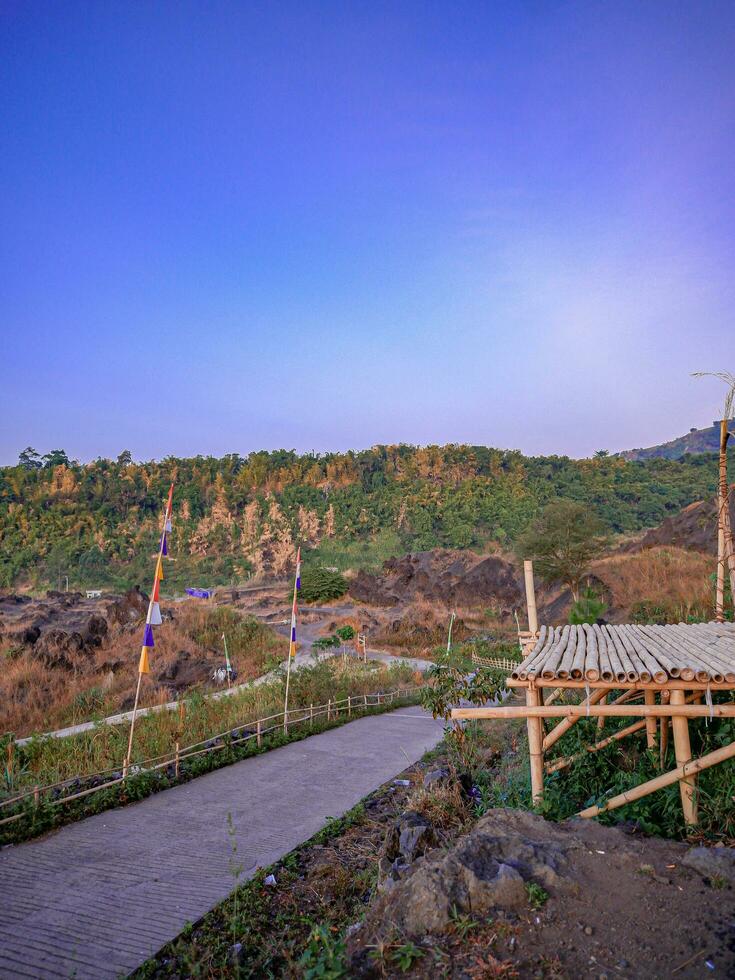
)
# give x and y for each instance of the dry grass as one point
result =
(670, 579)
(34, 697)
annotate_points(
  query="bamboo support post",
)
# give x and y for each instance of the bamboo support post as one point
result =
(530, 597)
(349, 706)
(329, 709)
(258, 735)
(650, 698)
(682, 748)
(535, 748)
(36, 795)
(659, 782)
(663, 744)
(601, 720)
(311, 715)
(177, 760)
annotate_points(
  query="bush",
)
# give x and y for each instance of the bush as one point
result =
(319, 585)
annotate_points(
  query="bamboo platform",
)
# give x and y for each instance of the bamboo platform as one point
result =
(661, 677)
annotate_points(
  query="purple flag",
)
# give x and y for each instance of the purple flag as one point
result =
(164, 549)
(148, 638)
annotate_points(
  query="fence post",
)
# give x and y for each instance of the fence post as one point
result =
(11, 751)
(311, 715)
(329, 709)
(349, 706)
(176, 764)
(36, 795)
(259, 737)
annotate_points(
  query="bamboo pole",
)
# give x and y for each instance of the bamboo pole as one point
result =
(258, 734)
(721, 504)
(530, 597)
(659, 782)
(672, 684)
(563, 727)
(601, 720)
(595, 710)
(558, 764)
(166, 519)
(292, 639)
(683, 750)
(535, 748)
(650, 698)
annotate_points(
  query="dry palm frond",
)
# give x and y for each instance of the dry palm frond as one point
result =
(729, 380)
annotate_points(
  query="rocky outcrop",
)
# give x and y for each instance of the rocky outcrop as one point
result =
(487, 869)
(452, 577)
(64, 628)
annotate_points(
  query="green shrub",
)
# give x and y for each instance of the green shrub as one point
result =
(320, 585)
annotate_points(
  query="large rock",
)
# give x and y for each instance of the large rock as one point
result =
(453, 577)
(487, 869)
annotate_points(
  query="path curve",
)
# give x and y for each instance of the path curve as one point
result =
(98, 897)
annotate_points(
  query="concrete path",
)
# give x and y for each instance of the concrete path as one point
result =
(97, 898)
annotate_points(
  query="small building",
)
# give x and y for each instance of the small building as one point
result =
(94, 593)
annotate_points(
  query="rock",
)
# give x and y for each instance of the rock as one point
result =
(57, 648)
(712, 862)
(485, 870)
(435, 776)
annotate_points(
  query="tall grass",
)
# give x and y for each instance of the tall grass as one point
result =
(673, 583)
(48, 760)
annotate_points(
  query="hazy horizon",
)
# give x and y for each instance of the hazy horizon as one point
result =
(325, 227)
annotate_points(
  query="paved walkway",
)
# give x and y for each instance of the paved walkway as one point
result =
(97, 898)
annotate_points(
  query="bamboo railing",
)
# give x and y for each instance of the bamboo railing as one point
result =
(280, 721)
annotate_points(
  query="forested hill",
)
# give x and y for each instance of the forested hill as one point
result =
(235, 517)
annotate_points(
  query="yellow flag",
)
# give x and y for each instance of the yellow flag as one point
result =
(159, 570)
(292, 650)
(144, 667)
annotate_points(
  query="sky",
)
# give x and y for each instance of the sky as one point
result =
(232, 226)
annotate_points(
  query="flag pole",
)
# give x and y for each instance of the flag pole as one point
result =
(292, 640)
(228, 667)
(143, 663)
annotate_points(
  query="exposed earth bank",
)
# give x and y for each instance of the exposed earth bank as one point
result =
(618, 904)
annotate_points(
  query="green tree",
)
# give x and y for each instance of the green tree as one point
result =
(562, 541)
(125, 458)
(57, 457)
(29, 459)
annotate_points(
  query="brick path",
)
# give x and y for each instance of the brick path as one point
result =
(97, 898)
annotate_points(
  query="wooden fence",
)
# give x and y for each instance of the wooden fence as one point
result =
(281, 721)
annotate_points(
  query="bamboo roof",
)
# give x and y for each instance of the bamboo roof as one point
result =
(703, 652)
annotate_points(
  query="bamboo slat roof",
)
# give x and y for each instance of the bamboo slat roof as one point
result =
(702, 652)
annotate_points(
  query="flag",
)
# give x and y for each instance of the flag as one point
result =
(298, 569)
(168, 527)
(155, 617)
(159, 569)
(144, 667)
(148, 636)
(292, 646)
(170, 501)
(164, 549)
(155, 590)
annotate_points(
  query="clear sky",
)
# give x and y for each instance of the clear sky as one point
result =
(233, 226)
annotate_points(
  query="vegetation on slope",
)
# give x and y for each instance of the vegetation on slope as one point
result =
(236, 517)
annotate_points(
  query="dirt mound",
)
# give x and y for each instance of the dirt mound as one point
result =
(694, 528)
(451, 577)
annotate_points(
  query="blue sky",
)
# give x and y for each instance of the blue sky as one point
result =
(234, 226)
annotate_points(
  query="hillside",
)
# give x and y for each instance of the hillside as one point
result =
(237, 517)
(695, 441)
